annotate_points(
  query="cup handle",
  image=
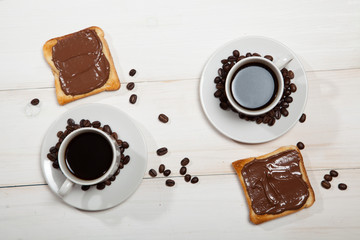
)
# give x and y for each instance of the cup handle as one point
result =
(282, 62)
(65, 187)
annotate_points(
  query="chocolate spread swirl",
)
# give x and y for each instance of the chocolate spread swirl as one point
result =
(81, 62)
(275, 184)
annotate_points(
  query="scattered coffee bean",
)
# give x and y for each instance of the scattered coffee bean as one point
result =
(269, 57)
(161, 168)
(291, 74)
(236, 53)
(185, 162)
(183, 170)
(125, 144)
(302, 118)
(170, 183)
(334, 173)
(132, 72)
(300, 145)
(162, 151)
(293, 87)
(187, 178)
(325, 184)
(96, 124)
(100, 186)
(194, 180)
(107, 129)
(133, 98)
(342, 186)
(130, 86)
(152, 173)
(35, 101)
(85, 187)
(167, 172)
(328, 177)
(70, 122)
(163, 118)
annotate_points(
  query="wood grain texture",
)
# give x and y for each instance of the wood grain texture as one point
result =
(169, 44)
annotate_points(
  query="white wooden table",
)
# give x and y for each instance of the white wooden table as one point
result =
(168, 43)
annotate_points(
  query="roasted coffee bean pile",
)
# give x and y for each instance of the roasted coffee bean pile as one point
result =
(269, 118)
(182, 171)
(71, 126)
(327, 179)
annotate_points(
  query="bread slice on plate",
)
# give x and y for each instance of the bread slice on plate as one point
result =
(275, 184)
(63, 97)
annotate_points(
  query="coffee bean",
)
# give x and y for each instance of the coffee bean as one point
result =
(221, 72)
(256, 55)
(107, 182)
(227, 67)
(287, 92)
(291, 74)
(194, 180)
(130, 86)
(342, 186)
(288, 99)
(334, 173)
(96, 124)
(167, 172)
(126, 159)
(300, 145)
(57, 145)
(217, 79)
(70, 122)
(117, 171)
(55, 164)
(161, 168)
(284, 112)
(325, 184)
(259, 120)
(302, 118)
(107, 129)
(152, 173)
(187, 178)
(220, 86)
(132, 72)
(114, 135)
(223, 61)
(277, 114)
(59, 133)
(133, 98)
(231, 58)
(163, 118)
(218, 93)
(185, 162)
(328, 177)
(286, 82)
(236, 53)
(293, 87)
(248, 54)
(271, 122)
(240, 58)
(35, 102)
(51, 156)
(85, 187)
(269, 57)
(170, 183)
(161, 151)
(87, 123)
(183, 170)
(125, 145)
(100, 186)
(285, 105)
(53, 150)
(121, 165)
(224, 105)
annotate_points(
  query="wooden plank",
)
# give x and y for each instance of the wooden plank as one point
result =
(164, 42)
(330, 132)
(215, 208)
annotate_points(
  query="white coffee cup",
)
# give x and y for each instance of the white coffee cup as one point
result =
(71, 179)
(273, 68)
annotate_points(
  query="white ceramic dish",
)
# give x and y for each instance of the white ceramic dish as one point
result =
(130, 176)
(228, 122)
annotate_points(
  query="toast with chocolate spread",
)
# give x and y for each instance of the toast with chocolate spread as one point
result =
(275, 184)
(82, 64)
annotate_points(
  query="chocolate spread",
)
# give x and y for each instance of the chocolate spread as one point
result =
(81, 62)
(275, 184)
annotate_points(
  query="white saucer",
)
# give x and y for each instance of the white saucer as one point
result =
(130, 176)
(228, 122)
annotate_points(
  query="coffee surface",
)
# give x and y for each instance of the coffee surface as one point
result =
(81, 62)
(254, 86)
(275, 184)
(88, 156)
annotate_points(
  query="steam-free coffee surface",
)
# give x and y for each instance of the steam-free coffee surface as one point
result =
(254, 86)
(88, 156)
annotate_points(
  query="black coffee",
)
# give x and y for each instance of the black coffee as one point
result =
(254, 86)
(88, 156)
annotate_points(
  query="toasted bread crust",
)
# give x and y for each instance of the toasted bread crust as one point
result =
(257, 219)
(113, 82)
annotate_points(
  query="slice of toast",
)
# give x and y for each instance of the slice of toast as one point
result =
(111, 84)
(256, 218)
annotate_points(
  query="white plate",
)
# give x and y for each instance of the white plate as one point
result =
(130, 176)
(228, 122)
